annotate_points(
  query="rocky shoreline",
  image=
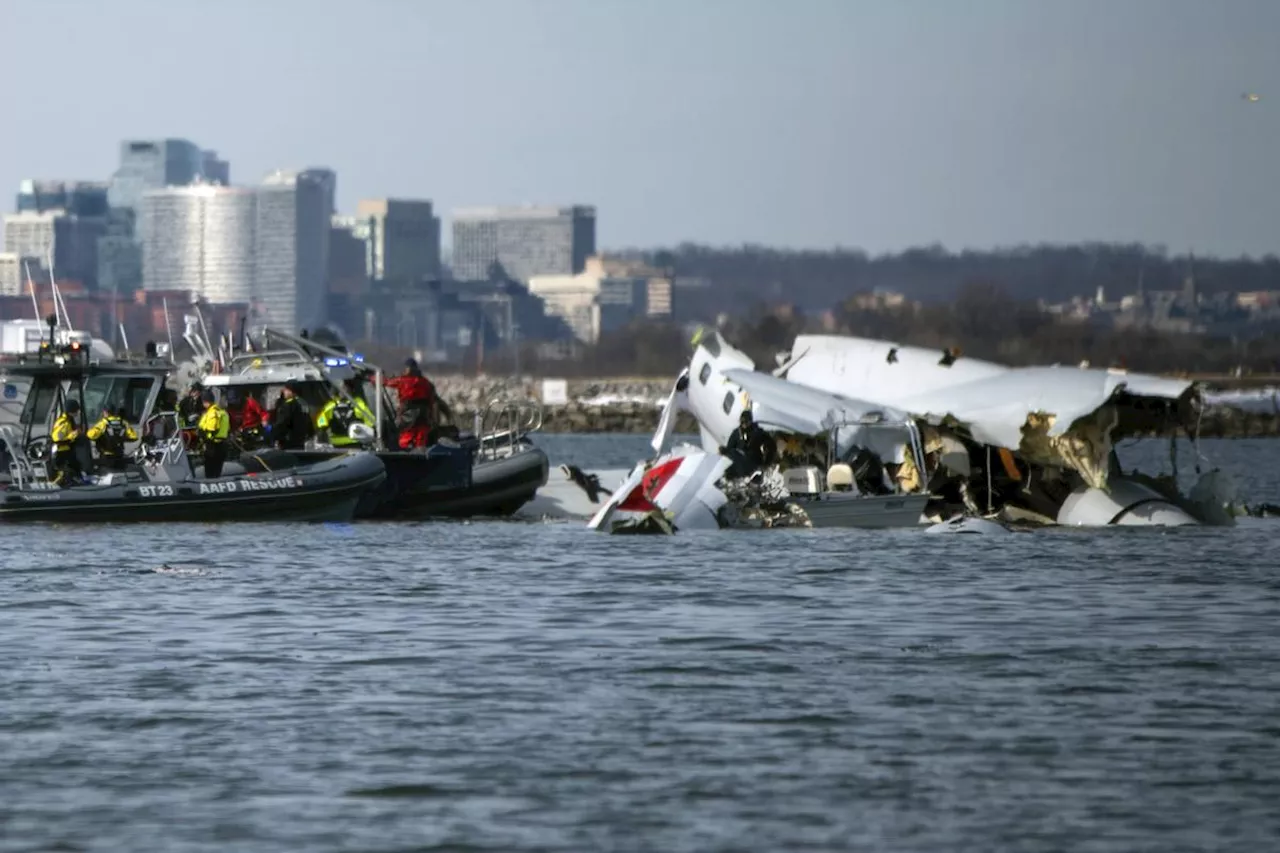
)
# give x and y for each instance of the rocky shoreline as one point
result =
(633, 405)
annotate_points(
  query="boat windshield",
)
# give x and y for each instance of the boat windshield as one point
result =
(44, 391)
(132, 392)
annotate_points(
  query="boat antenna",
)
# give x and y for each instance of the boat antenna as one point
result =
(57, 295)
(168, 328)
(31, 286)
(204, 331)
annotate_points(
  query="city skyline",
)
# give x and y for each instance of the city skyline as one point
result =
(867, 125)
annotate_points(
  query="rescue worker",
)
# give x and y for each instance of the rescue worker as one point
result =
(214, 427)
(336, 418)
(750, 448)
(290, 424)
(417, 397)
(66, 431)
(249, 421)
(247, 417)
(190, 409)
(110, 434)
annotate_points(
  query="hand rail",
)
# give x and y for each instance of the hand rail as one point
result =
(26, 472)
(512, 418)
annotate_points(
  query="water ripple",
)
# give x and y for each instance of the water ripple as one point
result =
(538, 687)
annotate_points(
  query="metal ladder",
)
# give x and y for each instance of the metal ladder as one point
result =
(503, 422)
(26, 473)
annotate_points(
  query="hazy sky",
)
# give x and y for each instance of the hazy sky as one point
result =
(806, 123)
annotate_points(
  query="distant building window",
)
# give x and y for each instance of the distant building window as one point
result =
(728, 401)
(704, 373)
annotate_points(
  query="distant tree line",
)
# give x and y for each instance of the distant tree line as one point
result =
(985, 321)
(816, 280)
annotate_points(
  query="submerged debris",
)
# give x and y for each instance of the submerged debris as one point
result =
(653, 522)
(759, 501)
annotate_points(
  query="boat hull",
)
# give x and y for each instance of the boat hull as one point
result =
(499, 488)
(322, 492)
(842, 510)
(447, 482)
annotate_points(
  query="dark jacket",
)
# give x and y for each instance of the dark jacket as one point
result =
(290, 424)
(753, 447)
(189, 411)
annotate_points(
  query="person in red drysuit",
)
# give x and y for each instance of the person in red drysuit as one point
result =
(244, 410)
(417, 405)
(247, 420)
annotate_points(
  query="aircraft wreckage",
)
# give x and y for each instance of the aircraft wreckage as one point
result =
(874, 434)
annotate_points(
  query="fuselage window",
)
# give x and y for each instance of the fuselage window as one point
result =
(728, 401)
(704, 373)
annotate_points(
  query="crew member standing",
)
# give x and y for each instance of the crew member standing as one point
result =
(417, 405)
(290, 423)
(110, 435)
(191, 408)
(214, 427)
(64, 434)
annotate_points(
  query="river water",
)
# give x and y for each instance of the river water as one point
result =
(535, 686)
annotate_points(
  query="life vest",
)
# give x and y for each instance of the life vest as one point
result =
(112, 437)
(215, 424)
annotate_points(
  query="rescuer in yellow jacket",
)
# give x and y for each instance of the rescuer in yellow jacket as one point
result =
(66, 429)
(337, 416)
(110, 435)
(214, 427)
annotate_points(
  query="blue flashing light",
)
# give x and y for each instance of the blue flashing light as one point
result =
(357, 358)
(335, 362)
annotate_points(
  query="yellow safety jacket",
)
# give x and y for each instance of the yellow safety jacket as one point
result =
(338, 431)
(215, 423)
(110, 434)
(64, 432)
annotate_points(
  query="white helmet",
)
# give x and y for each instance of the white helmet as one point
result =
(362, 433)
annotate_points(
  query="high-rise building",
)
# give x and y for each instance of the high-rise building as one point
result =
(31, 235)
(404, 239)
(146, 165)
(200, 239)
(12, 281)
(80, 198)
(119, 253)
(152, 165)
(213, 170)
(294, 215)
(526, 241)
(349, 256)
(71, 240)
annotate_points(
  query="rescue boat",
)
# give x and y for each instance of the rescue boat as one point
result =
(490, 470)
(161, 485)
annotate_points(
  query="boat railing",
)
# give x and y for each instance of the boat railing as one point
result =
(165, 456)
(915, 443)
(257, 360)
(504, 421)
(24, 471)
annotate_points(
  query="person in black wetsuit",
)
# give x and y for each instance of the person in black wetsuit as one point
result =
(191, 408)
(290, 423)
(750, 448)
